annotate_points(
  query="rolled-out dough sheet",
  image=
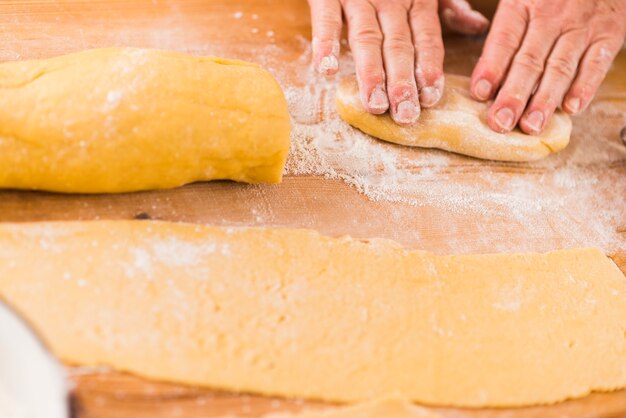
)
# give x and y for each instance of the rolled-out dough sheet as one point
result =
(125, 119)
(295, 313)
(391, 407)
(457, 123)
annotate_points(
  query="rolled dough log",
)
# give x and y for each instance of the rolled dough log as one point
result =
(118, 120)
(456, 124)
(294, 313)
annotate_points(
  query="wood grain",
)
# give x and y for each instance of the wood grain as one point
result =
(280, 28)
(116, 395)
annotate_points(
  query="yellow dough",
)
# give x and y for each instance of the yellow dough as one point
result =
(457, 123)
(392, 407)
(118, 120)
(295, 313)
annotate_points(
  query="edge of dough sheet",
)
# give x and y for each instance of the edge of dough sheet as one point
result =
(388, 407)
(456, 124)
(116, 120)
(294, 313)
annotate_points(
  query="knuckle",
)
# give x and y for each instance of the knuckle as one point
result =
(398, 42)
(563, 67)
(577, 89)
(584, 89)
(352, 4)
(402, 90)
(510, 99)
(529, 59)
(507, 40)
(329, 21)
(602, 57)
(390, 6)
(423, 5)
(548, 13)
(610, 26)
(429, 41)
(597, 62)
(576, 34)
(547, 100)
(428, 75)
(588, 87)
(488, 68)
(488, 73)
(370, 77)
(368, 36)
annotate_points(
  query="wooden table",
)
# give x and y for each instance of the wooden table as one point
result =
(279, 29)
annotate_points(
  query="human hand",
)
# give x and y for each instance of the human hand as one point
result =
(397, 48)
(561, 48)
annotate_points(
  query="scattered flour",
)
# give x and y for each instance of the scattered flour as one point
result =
(114, 98)
(177, 253)
(172, 252)
(562, 201)
(560, 193)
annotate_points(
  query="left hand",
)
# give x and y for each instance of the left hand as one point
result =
(561, 48)
(397, 48)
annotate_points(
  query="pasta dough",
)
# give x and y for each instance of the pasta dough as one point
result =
(457, 123)
(294, 313)
(118, 120)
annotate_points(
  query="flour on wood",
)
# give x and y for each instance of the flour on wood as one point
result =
(559, 194)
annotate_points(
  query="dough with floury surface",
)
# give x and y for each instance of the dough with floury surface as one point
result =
(294, 313)
(124, 119)
(457, 123)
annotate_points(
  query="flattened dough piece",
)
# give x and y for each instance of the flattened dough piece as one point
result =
(295, 313)
(391, 407)
(457, 123)
(118, 120)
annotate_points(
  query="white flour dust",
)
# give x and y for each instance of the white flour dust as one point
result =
(560, 193)
(559, 202)
(562, 201)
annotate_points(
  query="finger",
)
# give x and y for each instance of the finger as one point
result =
(399, 60)
(326, 21)
(593, 68)
(503, 42)
(560, 71)
(523, 76)
(366, 43)
(429, 51)
(460, 17)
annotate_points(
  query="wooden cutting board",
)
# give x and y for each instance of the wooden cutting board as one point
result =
(274, 33)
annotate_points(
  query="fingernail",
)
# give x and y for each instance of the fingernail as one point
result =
(407, 112)
(534, 121)
(429, 96)
(378, 99)
(328, 64)
(573, 105)
(478, 16)
(482, 90)
(505, 118)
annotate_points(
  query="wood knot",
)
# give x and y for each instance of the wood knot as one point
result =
(623, 135)
(142, 216)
